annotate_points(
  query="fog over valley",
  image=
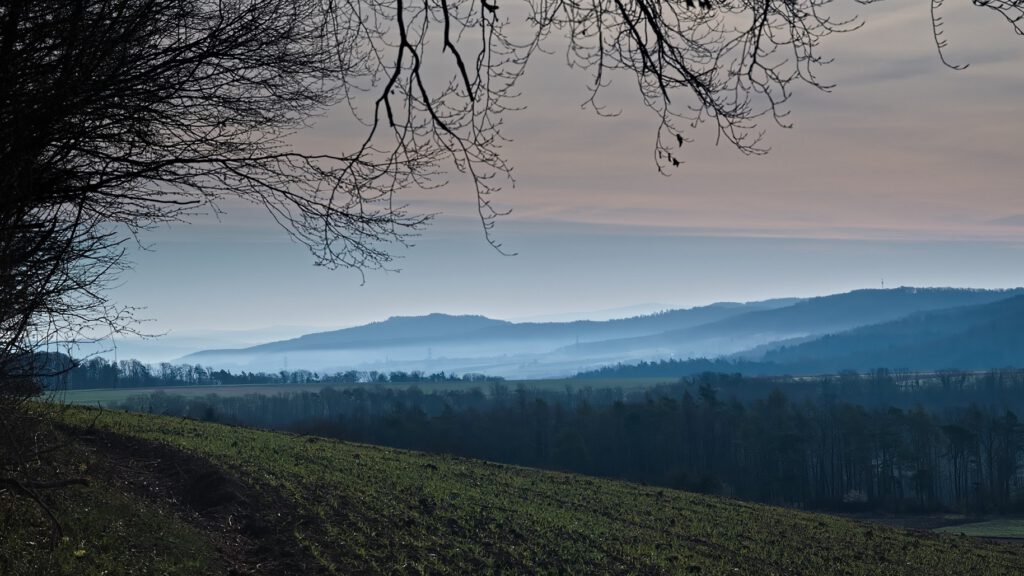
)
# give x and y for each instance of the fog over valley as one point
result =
(772, 333)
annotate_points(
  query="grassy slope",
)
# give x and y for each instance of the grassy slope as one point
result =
(365, 509)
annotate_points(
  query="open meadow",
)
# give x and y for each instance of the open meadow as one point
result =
(1003, 528)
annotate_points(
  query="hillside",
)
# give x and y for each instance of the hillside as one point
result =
(438, 328)
(857, 308)
(395, 331)
(436, 342)
(969, 337)
(814, 316)
(272, 503)
(461, 344)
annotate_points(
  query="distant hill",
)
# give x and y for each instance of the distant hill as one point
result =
(395, 330)
(970, 337)
(402, 330)
(464, 340)
(814, 316)
(975, 337)
(749, 331)
(852, 309)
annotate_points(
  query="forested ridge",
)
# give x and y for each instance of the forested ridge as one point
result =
(879, 441)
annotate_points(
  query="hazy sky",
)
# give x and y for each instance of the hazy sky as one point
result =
(907, 172)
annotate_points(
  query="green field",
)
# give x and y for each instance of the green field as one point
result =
(109, 396)
(998, 528)
(342, 508)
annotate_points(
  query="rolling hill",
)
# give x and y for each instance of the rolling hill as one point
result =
(803, 319)
(440, 342)
(969, 337)
(219, 498)
(465, 343)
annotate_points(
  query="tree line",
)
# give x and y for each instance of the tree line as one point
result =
(837, 442)
(98, 372)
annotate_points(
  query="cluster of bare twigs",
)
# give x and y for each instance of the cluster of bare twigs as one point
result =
(152, 110)
(1012, 11)
(730, 62)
